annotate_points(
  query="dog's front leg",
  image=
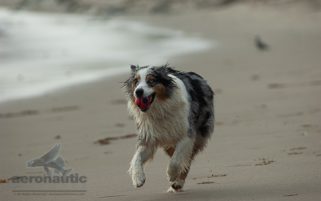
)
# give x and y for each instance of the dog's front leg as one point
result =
(180, 161)
(136, 170)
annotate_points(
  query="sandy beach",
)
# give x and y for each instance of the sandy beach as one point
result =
(267, 139)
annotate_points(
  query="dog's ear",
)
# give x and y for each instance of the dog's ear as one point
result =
(133, 68)
(163, 77)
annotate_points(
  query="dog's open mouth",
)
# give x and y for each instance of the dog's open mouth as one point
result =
(145, 102)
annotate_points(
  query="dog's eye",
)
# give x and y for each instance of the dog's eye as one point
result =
(135, 81)
(151, 82)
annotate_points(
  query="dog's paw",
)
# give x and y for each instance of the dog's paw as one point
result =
(138, 181)
(138, 177)
(177, 184)
(173, 190)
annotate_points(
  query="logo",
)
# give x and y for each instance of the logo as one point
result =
(56, 180)
(51, 162)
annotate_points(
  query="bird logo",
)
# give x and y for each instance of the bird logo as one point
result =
(51, 162)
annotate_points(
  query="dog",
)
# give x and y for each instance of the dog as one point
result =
(173, 110)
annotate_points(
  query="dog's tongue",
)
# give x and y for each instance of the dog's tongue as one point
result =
(142, 103)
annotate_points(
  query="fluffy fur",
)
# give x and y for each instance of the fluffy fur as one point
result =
(173, 110)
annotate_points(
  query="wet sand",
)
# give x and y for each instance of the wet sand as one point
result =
(267, 141)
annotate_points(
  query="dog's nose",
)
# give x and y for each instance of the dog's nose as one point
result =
(139, 93)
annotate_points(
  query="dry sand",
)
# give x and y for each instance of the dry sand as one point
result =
(267, 142)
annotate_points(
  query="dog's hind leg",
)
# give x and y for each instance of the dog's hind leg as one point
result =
(180, 163)
(178, 184)
(136, 170)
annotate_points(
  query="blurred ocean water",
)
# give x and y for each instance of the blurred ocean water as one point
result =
(44, 52)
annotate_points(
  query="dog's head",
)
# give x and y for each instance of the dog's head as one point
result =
(147, 84)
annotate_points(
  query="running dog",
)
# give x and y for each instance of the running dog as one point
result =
(173, 110)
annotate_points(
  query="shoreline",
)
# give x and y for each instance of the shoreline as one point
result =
(146, 7)
(65, 51)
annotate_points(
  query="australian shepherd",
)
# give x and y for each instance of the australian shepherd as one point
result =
(173, 110)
